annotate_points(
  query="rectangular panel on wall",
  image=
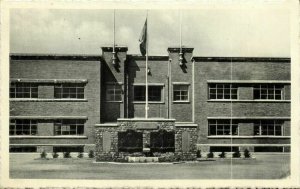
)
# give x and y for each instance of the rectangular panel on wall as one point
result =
(106, 141)
(185, 141)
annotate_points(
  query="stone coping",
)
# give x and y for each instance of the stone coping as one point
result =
(186, 125)
(145, 119)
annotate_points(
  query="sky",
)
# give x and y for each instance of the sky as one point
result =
(211, 32)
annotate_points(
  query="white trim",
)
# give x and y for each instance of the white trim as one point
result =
(241, 137)
(47, 100)
(149, 84)
(186, 125)
(49, 137)
(222, 144)
(106, 125)
(193, 90)
(181, 83)
(233, 100)
(249, 81)
(285, 118)
(143, 119)
(48, 117)
(13, 80)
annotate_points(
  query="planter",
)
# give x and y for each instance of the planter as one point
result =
(142, 159)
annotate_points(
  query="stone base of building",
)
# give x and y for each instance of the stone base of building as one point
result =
(130, 137)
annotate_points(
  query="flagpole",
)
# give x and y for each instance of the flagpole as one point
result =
(114, 42)
(180, 40)
(146, 71)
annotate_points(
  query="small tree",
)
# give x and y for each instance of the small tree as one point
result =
(236, 154)
(43, 155)
(210, 155)
(91, 154)
(198, 154)
(222, 155)
(247, 153)
(67, 155)
(55, 155)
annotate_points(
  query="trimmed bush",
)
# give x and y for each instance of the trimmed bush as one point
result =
(91, 154)
(55, 155)
(43, 155)
(80, 155)
(236, 154)
(222, 155)
(198, 154)
(247, 153)
(67, 155)
(210, 155)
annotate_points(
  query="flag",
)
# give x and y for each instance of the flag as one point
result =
(143, 39)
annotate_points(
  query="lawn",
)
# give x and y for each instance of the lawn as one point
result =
(25, 166)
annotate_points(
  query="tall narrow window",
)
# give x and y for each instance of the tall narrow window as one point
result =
(268, 128)
(222, 127)
(69, 127)
(268, 91)
(222, 91)
(113, 93)
(23, 90)
(70, 90)
(23, 127)
(180, 93)
(154, 93)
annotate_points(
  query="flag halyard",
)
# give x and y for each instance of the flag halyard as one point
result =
(143, 40)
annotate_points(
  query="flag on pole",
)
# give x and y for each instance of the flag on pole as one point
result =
(143, 39)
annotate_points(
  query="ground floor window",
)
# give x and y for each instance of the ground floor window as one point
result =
(22, 149)
(67, 148)
(23, 127)
(69, 127)
(130, 141)
(224, 148)
(162, 141)
(222, 127)
(268, 149)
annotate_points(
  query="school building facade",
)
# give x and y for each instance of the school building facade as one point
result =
(82, 103)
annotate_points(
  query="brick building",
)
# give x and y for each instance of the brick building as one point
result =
(77, 102)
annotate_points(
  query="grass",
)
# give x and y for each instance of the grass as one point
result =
(26, 166)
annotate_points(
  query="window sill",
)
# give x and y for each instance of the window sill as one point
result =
(47, 100)
(49, 137)
(240, 101)
(114, 101)
(149, 102)
(181, 102)
(234, 137)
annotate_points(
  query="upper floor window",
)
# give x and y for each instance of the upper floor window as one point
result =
(23, 90)
(113, 92)
(268, 127)
(154, 93)
(180, 92)
(69, 90)
(268, 91)
(222, 127)
(222, 91)
(69, 127)
(23, 127)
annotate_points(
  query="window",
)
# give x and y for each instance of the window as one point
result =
(23, 127)
(268, 91)
(67, 148)
(23, 90)
(113, 92)
(23, 149)
(222, 127)
(224, 148)
(268, 127)
(154, 93)
(180, 92)
(71, 90)
(222, 91)
(69, 127)
(268, 149)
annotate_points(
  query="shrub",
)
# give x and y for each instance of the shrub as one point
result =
(43, 155)
(91, 154)
(198, 154)
(236, 154)
(210, 155)
(247, 153)
(67, 155)
(55, 155)
(80, 155)
(222, 155)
